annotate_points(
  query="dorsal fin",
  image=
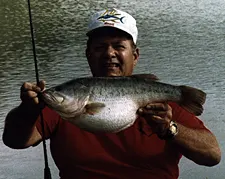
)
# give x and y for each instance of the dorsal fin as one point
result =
(147, 75)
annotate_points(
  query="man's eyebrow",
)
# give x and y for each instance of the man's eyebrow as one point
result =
(119, 41)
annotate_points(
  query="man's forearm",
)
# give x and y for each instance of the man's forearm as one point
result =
(19, 131)
(199, 145)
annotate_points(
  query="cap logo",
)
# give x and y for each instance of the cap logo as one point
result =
(111, 16)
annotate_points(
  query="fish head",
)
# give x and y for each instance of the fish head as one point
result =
(67, 101)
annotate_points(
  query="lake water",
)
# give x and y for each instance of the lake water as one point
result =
(182, 42)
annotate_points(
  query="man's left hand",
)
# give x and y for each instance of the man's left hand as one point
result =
(158, 116)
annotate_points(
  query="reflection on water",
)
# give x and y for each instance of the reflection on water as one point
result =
(183, 42)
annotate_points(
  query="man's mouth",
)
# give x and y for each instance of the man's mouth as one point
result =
(111, 69)
(112, 65)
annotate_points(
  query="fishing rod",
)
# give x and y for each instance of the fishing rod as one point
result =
(47, 173)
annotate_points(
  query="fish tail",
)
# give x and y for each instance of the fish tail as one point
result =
(192, 99)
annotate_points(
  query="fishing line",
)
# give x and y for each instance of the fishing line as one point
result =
(47, 173)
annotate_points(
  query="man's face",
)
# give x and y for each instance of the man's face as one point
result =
(112, 56)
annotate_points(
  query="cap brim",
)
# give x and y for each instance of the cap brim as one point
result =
(98, 30)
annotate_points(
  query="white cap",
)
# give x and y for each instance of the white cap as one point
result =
(114, 18)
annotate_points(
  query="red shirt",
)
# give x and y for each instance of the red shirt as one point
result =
(132, 153)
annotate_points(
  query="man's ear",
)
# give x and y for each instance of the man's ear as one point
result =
(136, 56)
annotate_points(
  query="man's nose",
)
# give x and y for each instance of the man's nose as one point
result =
(110, 52)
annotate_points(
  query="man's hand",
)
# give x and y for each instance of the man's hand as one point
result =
(158, 116)
(29, 93)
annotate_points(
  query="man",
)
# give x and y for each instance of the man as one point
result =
(151, 148)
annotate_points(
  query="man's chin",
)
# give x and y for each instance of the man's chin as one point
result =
(112, 73)
(109, 73)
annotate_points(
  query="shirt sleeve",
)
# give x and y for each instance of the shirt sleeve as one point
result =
(186, 118)
(50, 119)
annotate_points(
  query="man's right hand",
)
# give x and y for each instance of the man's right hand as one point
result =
(29, 94)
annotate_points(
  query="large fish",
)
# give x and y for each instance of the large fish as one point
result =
(110, 104)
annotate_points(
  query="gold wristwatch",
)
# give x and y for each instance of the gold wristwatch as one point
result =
(172, 131)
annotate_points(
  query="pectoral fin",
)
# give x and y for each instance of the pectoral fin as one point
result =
(94, 108)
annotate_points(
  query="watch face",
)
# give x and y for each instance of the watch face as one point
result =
(172, 131)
